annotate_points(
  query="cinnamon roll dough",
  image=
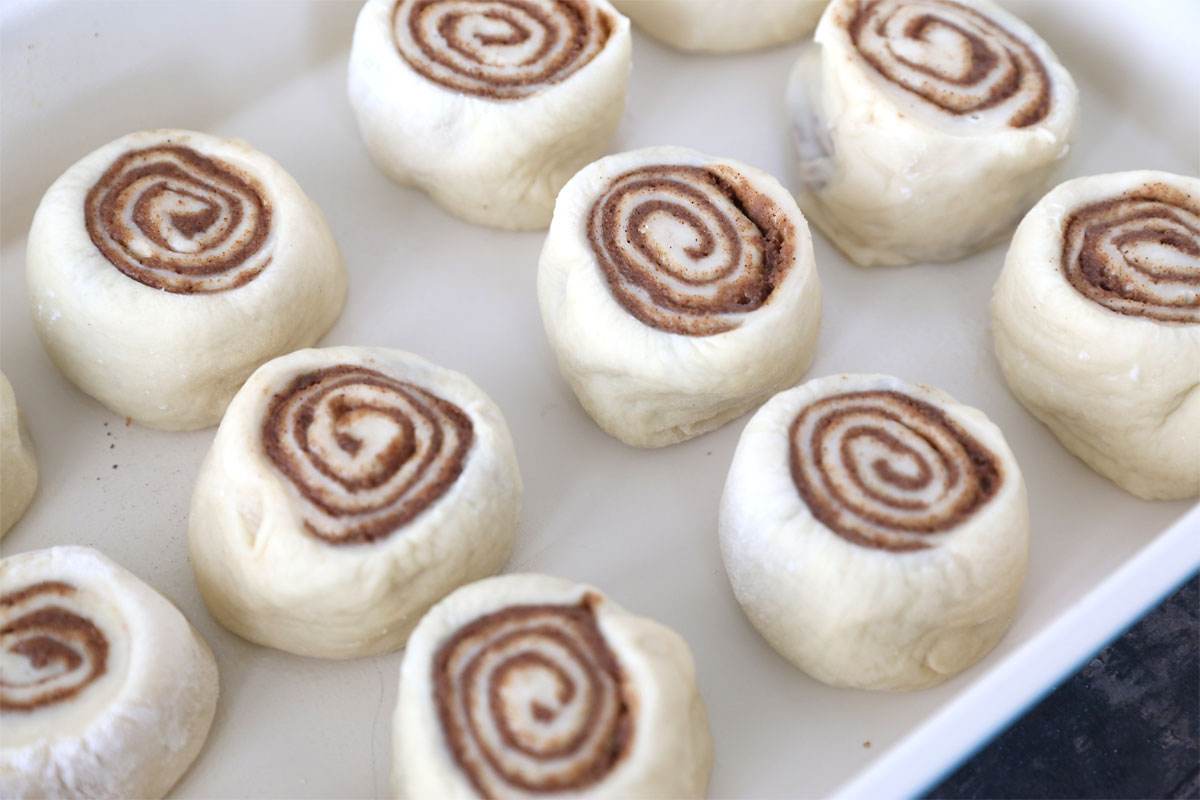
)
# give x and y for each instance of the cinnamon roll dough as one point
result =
(106, 689)
(527, 685)
(166, 266)
(1096, 321)
(723, 26)
(18, 462)
(489, 106)
(678, 291)
(875, 532)
(926, 128)
(347, 490)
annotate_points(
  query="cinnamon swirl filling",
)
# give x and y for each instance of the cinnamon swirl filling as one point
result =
(885, 470)
(689, 250)
(173, 219)
(364, 453)
(1138, 254)
(531, 699)
(498, 49)
(50, 650)
(953, 57)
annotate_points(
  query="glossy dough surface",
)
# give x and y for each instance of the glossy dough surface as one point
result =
(677, 291)
(166, 266)
(1096, 322)
(723, 26)
(527, 685)
(489, 106)
(926, 128)
(18, 462)
(347, 490)
(106, 689)
(874, 531)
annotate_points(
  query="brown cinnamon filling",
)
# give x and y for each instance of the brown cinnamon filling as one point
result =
(639, 271)
(999, 67)
(467, 58)
(55, 641)
(474, 670)
(289, 423)
(886, 503)
(1101, 246)
(203, 200)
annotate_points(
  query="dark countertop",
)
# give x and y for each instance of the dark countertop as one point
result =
(1126, 725)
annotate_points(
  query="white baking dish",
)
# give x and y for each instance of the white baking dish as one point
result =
(639, 524)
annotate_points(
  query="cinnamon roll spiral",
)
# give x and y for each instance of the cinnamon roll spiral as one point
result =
(884, 469)
(528, 685)
(678, 290)
(689, 250)
(105, 689)
(365, 452)
(489, 106)
(954, 57)
(498, 49)
(875, 531)
(926, 128)
(180, 221)
(1096, 324)
(1138, 254)
(348, 489)
(531, 699)
(50, 650)
(167, 265)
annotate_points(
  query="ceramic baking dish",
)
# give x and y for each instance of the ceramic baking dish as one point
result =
(639, 524)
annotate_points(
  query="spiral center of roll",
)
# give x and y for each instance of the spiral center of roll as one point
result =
(498, 49)
(531, 698)
(883, 469)
(689, 250)
(954, 58)
(364, 453)
(1138, 254)
(175, 220)
(49, 651)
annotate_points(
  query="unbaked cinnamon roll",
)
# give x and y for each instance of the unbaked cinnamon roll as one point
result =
(1096, 320)
(926, 128)
(166, 266)
(347, 490)
(875, 531)
(18, 461)
(526, 685)
(105, 689)
(723, 26)
(488, 105)
(677, 290)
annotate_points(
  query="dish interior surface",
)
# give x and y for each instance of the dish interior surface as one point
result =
(641, 525)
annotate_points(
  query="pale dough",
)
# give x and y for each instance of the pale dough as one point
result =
(234, 265)
(641, 380)
(925, 168)
(496, 161)
(18, 462)
(373, 507)
(723, 26)
(125, 691)
(896, 558)
(662, 747)
(1119, 388)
